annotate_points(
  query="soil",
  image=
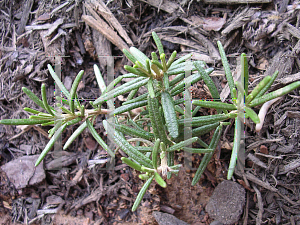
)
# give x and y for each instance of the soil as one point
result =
(81, 33)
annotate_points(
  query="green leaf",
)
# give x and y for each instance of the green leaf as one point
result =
(204, 129)
(132, 164)
(135, 71)
(144, 176)
(31, 110)
(191, 79)
(171, 59)
(132, 94)
(74, 121)
(155, 69)
(244, 72)
(209, 82)
(204, 162)
(126, 108)
(205, 120)
(150, 88)
(155, 153)
(99, 139)
(226, 68)
(159, 180)
(147, 170)
(177, 79)
(195, 110)
(163, 62)
(166, 82)
(24, 121)
(129, 56)
(257, 89)
(75, 135)
(126, 147)
(44, 97)
(169, 114)
(274, 94)
(182, 144)
(154, 56)
(140, 56)
(134, 132)
(121, 90)
(33, 97)
(58, 82)
(142, 193)
(158, 64)
(181, 59)
(102, 84)
(236, 147)
(179, 109)
(254, 117)
(74, 90)
(50, 144)
(65, 110)
(118, 80)
(213, 104)
(158, 43)
(58, 124)
(274, 76)
(156, 119)
(148, 66)
(180, 68)
(198, 150)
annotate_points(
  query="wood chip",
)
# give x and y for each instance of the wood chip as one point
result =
(111, 19)
(54, 26)
(289, 79)
(289, 167)
(103, 28)
(239, 20)
(25, 16)
(166, 6)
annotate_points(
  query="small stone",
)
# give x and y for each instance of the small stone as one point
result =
(167, 219)
(227, 202)
(22, 172)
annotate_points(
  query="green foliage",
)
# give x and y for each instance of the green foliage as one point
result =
(158, 130)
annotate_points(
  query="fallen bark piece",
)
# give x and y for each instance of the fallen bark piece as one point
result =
(103, 28)
(227, 202)
(239, 20)
(54, 26)
(22, 172)
(111, 19)
(166, 6)
(25, 16)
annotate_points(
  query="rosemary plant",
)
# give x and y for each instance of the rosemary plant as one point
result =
(156, 131)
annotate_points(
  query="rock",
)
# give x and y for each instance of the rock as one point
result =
(22, 172)
(227, 202)
(167, 219)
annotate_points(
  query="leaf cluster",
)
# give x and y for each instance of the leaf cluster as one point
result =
(157, 131)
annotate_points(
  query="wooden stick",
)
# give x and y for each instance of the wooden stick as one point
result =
(111, 19)
(25, 16)
(104, 29)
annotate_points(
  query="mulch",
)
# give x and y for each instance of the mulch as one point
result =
(75, 35)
